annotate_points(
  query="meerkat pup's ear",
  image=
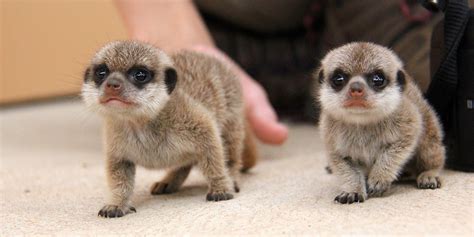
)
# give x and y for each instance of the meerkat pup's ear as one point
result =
(317, 82)
(401, 79)
(87, 73)
(319, 74)
(171, 77)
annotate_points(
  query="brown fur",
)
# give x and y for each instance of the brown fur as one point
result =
(250, 155)
(201, 122)
(369, 149)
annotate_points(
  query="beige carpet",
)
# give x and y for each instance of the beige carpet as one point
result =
(52, 182)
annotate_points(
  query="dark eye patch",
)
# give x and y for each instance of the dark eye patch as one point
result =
(140, 76)
(338, 79)
(377, 80)
(100, 73)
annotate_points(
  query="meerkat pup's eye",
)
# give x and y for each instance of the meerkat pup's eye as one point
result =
(140, 75)
(338, 80)
(377, 80)
(100, 73)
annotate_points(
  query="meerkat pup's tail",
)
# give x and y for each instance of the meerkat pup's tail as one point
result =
(249, 154)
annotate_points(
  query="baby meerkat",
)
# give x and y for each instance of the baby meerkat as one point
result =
(375, 122)
(167, 111)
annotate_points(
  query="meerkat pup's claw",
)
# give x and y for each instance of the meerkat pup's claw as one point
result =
(172, 182)
(374, 120)
(219, 196)
(113, 211)
(159, 188)
(236, 187)
(378, 188)
(167, 111)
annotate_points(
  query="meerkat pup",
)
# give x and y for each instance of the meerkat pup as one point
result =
(375, 122)
(167, 111)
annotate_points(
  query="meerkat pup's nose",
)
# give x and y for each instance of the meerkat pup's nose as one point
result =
(356, 89)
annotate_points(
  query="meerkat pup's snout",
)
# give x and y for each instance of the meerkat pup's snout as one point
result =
(375, 122)
(171, 112)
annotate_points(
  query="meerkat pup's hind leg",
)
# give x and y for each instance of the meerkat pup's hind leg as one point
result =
(429, 164)
(249, 151)
(172, 181)
(214, 169)
(430, 156)
(233, 138)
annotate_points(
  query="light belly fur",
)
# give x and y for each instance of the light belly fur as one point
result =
(148, 150)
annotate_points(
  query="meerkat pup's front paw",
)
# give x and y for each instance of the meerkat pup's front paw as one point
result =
(427, 180)
(219, 196)
(113, 211)
(377, 188)
(350, 197)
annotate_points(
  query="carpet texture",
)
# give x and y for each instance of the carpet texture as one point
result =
(52, 182)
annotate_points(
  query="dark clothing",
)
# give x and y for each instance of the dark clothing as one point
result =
(280, 44)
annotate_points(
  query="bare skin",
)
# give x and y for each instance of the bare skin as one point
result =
(175, 25)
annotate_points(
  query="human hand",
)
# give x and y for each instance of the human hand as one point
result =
(259, 112)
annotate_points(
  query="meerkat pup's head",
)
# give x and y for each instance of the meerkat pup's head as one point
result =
(360, 83)
(129, 80)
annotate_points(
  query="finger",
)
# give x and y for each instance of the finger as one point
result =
(267, 130)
